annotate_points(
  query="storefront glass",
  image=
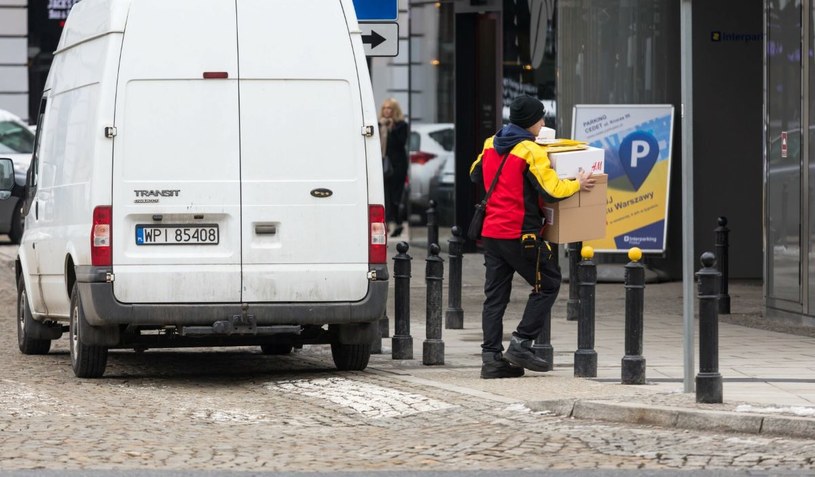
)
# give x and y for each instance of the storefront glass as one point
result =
(784, 141)
(529, 54)
(811, 201)
(615, 52)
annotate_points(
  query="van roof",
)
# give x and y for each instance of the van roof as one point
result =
(93, 18)
(89, 19)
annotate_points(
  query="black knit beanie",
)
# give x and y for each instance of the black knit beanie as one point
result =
(525, 111)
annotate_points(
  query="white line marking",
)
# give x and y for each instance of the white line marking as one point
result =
(367, 399)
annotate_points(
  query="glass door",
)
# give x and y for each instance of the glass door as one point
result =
(784, 154)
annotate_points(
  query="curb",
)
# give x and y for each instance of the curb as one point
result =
(671, 417)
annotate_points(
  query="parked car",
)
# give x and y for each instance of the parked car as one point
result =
(430, 146)
(17, 144)
(443, 190)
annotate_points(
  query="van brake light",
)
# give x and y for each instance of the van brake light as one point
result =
(378, 237)
(216, 75)
(102, 236)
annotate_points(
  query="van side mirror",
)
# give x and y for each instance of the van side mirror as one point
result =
(6, 178)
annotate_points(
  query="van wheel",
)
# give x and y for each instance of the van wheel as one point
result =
(351, 357)
(276, 349)
(25, 323)
(87, 361)
(16, 232)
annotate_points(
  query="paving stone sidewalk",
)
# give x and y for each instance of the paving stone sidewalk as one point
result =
(768, 376)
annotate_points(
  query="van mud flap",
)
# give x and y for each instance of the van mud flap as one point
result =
(240, 325)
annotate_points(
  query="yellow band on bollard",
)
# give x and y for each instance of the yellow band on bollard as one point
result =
(635, 254)
(587, 252)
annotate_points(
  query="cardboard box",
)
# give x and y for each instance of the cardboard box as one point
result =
(579, 218)
(568, 163)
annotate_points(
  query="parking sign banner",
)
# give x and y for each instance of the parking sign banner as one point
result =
(637, 139)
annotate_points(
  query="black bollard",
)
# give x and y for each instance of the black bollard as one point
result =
(633, 366)
(722, 264)
(432, 225)
(543, 343)
(585, 358)
(573, 304)
(454, 316)
(433, 346)
(402, 341)
(708, 380)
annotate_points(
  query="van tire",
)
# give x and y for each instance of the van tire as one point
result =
(86, 361)
(351, 357)
(16, 232)
(276, 349)
(25, 323)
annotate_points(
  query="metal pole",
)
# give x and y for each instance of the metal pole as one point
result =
(573, 249)
(433, 346)
(687, 188)
(454, 317)
(708, 381)
(585, 358)
(723, 264)
(402, 341)
(633, 365)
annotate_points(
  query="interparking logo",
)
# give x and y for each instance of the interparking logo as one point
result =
(718, 36)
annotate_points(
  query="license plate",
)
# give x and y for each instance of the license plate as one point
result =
(204, 234)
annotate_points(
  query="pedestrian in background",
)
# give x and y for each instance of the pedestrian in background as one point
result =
(511, 236)
(393, 132)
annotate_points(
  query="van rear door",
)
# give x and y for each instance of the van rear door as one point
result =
(176, 172)
(303, 161)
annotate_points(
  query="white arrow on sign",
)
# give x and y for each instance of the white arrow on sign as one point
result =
(380, 39)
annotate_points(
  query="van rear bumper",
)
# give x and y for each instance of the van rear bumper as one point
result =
(102, 308)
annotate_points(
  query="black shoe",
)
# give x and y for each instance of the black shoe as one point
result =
(495, 366)
(397, 231)
(520, 353)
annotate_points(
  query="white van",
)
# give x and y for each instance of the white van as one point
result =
(205, 174)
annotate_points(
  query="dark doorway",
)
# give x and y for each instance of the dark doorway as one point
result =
(478, 101)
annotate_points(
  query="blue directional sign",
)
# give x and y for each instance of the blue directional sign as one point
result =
(376, 10)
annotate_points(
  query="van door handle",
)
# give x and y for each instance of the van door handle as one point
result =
(36, 209)
(266, 229)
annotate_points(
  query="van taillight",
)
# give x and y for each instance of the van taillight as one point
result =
(378, 244)
(101, 236)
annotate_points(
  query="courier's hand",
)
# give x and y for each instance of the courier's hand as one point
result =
(585, 179)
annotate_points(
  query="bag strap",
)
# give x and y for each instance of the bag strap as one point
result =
(495, 179)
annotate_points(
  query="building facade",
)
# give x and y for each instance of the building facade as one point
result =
(14, 56)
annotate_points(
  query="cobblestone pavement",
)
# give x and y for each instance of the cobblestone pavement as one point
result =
(240, 410)
(237, 409)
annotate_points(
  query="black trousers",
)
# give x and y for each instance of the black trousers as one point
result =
(395, 200)
(502, 258)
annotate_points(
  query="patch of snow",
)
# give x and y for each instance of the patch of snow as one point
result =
(797, 410)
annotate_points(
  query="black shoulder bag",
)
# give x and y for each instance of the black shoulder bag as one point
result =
(477, 223)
